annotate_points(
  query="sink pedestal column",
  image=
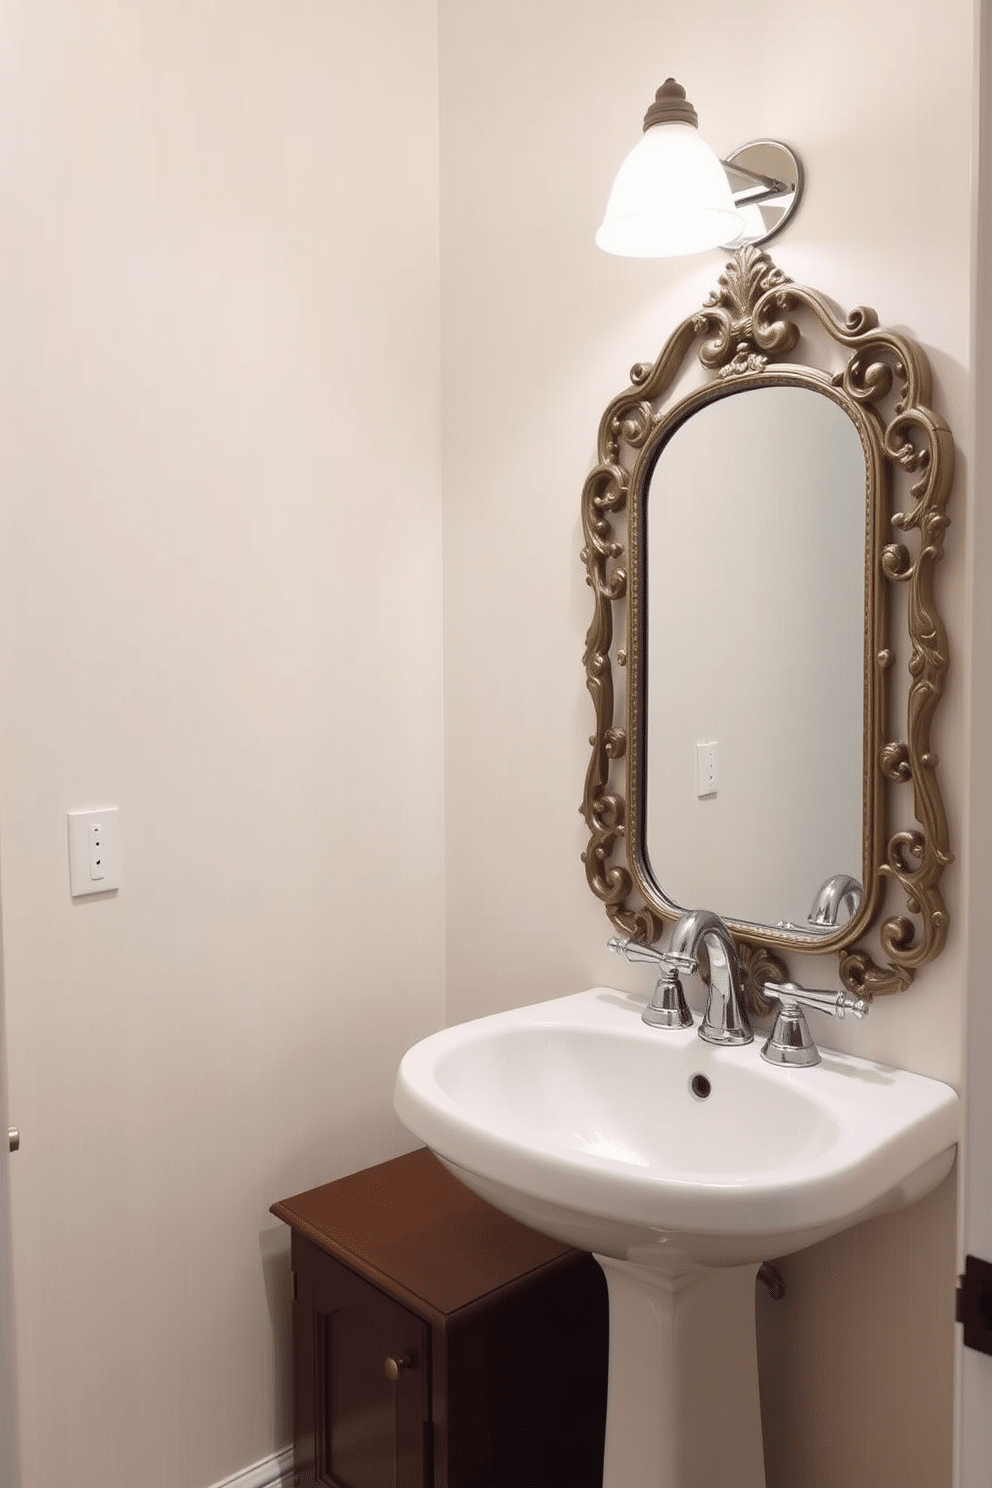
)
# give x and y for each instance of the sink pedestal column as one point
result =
(682, 1408)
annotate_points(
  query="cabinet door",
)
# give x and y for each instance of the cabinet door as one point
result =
(371, 1408)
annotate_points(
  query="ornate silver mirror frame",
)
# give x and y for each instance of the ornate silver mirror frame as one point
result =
(759, 329)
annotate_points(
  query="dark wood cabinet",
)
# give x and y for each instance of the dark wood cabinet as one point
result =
(438, 1343)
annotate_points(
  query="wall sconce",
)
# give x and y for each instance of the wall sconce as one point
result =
(673, 195)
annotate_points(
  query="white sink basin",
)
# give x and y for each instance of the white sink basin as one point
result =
(578, 1119)
(681, 1166)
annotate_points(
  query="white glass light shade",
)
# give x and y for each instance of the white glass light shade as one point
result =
(754, 223)
(671, 196)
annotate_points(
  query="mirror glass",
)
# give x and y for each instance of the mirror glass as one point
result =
(753, 664)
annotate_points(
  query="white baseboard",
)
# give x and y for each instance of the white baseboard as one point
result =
(271, 1472)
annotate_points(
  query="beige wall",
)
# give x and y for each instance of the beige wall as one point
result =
(220, 609)
(877, 98)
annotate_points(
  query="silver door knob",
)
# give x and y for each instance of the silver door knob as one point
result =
(13, 1138)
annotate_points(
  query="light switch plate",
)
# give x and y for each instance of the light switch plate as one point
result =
(706, 757)
(94, 851)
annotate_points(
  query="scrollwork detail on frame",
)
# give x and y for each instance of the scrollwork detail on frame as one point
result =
(757, 326)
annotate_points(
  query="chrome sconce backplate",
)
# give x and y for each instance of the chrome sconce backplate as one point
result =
(766, 179)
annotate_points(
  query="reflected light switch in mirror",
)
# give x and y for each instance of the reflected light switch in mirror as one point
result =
(706, 769)
(94, 851)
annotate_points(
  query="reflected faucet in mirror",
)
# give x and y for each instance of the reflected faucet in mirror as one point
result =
(838, 892)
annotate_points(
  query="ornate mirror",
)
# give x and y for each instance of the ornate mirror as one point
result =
(765, 655)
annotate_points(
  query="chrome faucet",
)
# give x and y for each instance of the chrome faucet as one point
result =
(702, 942)
(725, 1020)
(790, 1042)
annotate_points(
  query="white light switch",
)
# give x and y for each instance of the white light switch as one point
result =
(94, 851)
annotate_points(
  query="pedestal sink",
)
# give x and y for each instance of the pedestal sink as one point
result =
(681, 1166)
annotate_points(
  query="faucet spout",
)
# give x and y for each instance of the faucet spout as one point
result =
(725, 1020)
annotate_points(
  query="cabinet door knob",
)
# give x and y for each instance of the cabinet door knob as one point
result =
(13, 1138)
(394, 1366)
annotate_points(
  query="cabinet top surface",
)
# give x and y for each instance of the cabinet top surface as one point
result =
(410, 1223)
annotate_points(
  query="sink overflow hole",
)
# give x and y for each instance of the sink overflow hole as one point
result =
(700, 1086)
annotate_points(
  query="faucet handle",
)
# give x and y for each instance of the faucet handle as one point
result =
(790, 1041)
(633, 950)
(667, 1007)
(837, 1004)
